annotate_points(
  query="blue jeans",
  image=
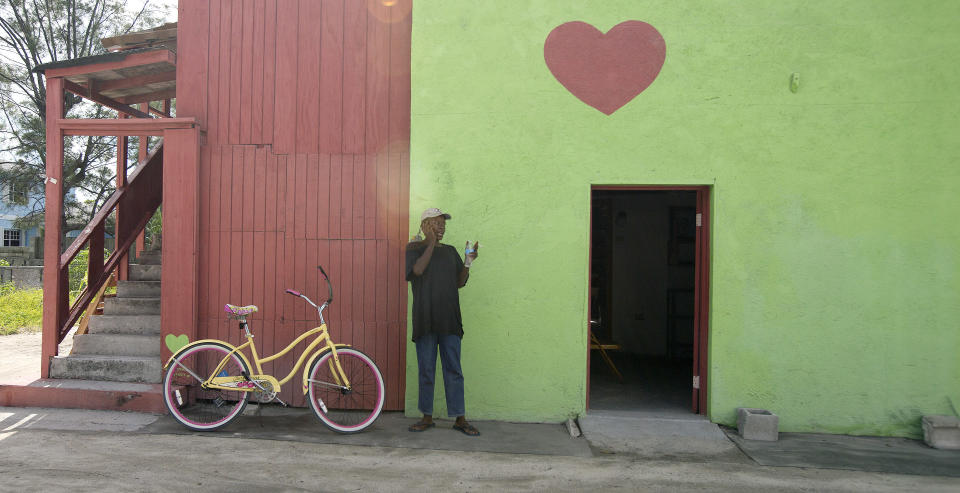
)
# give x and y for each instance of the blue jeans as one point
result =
(452, 375)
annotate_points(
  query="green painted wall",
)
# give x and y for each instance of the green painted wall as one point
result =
(835, 279)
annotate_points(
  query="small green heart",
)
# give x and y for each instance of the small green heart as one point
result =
(174, 343)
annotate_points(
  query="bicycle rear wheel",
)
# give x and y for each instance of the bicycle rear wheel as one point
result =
(193, 406)
(346, 410)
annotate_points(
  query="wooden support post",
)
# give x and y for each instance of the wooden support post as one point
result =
(123, 267)
(141, 157)
(55, 284)
(166, 107)
(181, 230)
(142, 150)
(95, 257)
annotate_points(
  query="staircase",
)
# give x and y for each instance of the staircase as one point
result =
(123, 344)
(116, 364)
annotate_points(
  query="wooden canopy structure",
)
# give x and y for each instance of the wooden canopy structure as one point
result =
(117, 80)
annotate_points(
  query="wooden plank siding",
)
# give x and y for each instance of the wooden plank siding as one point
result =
(306, 109)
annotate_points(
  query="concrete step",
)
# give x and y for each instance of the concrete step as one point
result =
(149, 257)
(131, 306)
(143, 369)
(659, 433)
(85, 394)
(140, 272)
(116, 345)
(138, 289)
(143, 325)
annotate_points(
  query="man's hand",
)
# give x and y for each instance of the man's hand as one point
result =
(434, 232)
(430, 231)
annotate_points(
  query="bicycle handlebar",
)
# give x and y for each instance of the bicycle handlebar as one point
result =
(329, 286)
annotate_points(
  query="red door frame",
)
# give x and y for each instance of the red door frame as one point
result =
(701, 325)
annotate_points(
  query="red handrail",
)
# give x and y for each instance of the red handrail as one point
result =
(136, 204)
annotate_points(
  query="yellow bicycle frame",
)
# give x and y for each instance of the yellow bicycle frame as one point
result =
(215, 382)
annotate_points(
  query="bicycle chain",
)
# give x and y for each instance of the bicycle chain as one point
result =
(262, 395)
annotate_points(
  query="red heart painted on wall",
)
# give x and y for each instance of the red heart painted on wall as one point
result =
(605, 71)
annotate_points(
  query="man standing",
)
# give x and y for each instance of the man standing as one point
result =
(436, 272)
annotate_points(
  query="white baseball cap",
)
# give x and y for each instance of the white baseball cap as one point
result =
(433, 212)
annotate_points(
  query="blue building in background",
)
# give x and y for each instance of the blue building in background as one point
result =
(17, 244)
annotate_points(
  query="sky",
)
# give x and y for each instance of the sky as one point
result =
(170, 5)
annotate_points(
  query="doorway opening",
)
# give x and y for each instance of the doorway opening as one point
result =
(648, 291)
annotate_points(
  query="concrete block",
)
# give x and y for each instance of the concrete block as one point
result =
(28, 277)
(149, 257)
(125, 324)
(116, 345)
(942, 432)
(110, 368)
(131, 306)
(138, 289)
(145, 272)
(22, 277)
(758, 424)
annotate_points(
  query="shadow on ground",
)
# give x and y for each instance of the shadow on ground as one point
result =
(875, 454)
(390, 430)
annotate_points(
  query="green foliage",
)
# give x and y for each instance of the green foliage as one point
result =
(153, 230)
(20, 310)
(78, 271)
(4, 263)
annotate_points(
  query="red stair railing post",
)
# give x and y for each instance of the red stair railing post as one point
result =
(122, 145)
(55, 279)
(95, 257)
(142, 152)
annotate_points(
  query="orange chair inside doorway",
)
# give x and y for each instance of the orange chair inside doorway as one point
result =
(596, 345)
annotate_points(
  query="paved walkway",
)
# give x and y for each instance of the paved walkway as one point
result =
(20, 357)
(637, 436)
(39, 460)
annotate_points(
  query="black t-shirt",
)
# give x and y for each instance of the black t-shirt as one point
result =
(436, 302)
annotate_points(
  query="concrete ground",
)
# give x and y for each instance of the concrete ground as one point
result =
(55, 449)
(289, 449)
(20, 357)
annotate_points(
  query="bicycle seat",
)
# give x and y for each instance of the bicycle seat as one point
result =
(239, 311)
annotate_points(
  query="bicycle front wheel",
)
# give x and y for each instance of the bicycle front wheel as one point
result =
(192, 405)
(342, 409)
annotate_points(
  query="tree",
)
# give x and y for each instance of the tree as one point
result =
(35, 32)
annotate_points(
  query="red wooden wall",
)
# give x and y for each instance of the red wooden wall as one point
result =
(305, 162)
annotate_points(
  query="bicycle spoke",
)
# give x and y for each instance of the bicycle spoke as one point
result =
(188, 370)
(189, 401)
(328, 384)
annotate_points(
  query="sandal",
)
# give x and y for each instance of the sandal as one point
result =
(467, 429)
(420, 426)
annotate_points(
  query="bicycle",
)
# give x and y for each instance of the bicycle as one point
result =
(207, 383)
